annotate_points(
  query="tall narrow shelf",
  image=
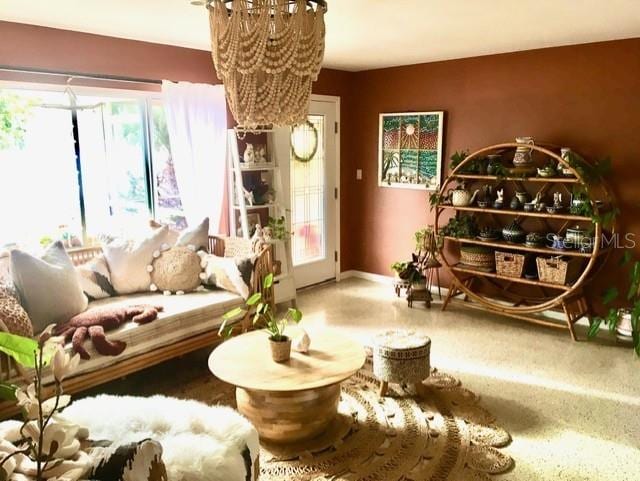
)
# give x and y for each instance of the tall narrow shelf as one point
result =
(240, 209)
(518, 299)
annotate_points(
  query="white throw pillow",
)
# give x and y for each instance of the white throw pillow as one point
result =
(128, 261)
(49, 287)
(197, 236)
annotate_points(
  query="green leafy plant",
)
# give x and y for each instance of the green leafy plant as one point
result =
(399, 267)
(15, 111)
(461, 226)
(278, 228)
(263, 316)
(45, 440)
(435, 198)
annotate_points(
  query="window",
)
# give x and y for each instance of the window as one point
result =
(123, 173)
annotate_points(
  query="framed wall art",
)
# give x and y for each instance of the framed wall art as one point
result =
(410, 150)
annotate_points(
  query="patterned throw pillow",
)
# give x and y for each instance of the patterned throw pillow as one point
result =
(232, 274)
(140, 461)
(95, 279)
(12, 315)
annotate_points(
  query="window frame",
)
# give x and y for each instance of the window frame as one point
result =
(144, 98)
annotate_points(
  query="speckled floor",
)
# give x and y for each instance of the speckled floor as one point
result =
(572, 408)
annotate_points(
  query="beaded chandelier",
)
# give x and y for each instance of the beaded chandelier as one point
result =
(267, 54)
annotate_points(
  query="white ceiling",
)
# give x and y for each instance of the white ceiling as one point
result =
(363, 34)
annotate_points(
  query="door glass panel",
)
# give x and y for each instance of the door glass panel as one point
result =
(308, 192)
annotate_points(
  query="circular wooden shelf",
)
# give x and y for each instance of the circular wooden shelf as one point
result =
(552, 295)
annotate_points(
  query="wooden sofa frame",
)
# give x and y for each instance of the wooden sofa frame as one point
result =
(11, 372)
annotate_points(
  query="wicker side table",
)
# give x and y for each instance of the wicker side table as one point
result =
(401, 357)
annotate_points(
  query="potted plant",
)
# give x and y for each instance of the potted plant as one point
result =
(400, 270)
(625, 317)
(264, 317)
(49, 443)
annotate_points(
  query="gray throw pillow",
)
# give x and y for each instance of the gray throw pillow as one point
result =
(49, 286)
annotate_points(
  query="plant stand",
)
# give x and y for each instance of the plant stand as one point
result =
(418, 295)
(399, 284)
(524, 298)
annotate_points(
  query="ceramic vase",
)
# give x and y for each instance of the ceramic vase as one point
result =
(522, 157)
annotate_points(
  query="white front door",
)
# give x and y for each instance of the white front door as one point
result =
(314, 196)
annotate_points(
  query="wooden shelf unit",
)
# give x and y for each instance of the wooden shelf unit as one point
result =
(471, 283)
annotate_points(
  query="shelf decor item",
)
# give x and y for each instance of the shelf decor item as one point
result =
(523, 159)
(513, 233)
(267, 53)
(509, 264)
(477, 256)
(558, 270)
(410, 150)
(461, 197)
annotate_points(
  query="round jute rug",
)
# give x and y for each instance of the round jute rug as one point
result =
(441, 433)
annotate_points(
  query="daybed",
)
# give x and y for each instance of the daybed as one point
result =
(188, 322)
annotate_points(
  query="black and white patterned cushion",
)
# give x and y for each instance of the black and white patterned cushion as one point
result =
(95, 279)
(141, 461)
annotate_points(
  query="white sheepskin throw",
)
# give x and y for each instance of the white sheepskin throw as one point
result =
(200, 442)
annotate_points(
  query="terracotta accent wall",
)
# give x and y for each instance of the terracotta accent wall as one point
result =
(45, 48)
(586, 97)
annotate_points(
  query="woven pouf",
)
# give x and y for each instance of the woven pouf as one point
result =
(401, 357)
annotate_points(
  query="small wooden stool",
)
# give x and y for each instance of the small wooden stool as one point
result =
(401, 357)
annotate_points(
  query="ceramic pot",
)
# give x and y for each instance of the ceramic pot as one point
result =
(280, 350)
(534, 239)
(624, 328)
(522, 196)
(514, 204)
(575, 236)
(565, 154)
(577, 203)
(461, 197)
(513, 233)
(522, 157)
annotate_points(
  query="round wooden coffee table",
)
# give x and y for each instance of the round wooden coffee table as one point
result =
(288, 401)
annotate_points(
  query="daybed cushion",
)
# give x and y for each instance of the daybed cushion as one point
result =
(183, 317)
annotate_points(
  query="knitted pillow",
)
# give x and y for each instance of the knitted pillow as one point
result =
(232, 274)
(12, 314)
(95, 279)
(175, 270)
(49, 286)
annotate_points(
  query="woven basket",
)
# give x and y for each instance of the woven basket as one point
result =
(558, 270)
(509, 264)
(477, 256)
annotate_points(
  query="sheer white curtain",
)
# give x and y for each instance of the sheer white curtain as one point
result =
(197, 124)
